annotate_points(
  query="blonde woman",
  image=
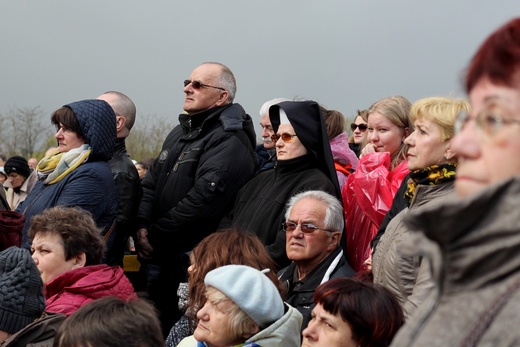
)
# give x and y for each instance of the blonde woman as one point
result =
(432, 165)
(369, 192)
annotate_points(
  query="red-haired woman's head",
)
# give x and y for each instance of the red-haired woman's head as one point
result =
(498, 58)
(371, 311)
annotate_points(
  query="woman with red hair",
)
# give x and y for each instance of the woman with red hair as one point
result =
(350, 313)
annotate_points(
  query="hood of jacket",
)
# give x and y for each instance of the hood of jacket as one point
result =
(282, 333)
(233, 117)
(98, 124)
(341, 151)
(307, 121)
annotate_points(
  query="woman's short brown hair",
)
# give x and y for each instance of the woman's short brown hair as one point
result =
(68, 119)
(76, 228)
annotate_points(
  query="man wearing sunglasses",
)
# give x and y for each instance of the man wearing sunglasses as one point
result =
(203, 163)
(313, 226)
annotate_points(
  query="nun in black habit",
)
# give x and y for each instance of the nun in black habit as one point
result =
(304, 162)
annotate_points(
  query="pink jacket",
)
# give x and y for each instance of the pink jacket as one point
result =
(73, 289)
(343, 155)
(367, 196)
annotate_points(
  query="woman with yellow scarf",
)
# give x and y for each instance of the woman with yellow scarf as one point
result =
(77, 172)
(432, 165)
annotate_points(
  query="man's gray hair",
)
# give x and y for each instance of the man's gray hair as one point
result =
(264, 110)
(227, 79)
(334, 216)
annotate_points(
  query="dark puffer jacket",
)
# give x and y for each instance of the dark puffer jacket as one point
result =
(89, 186)
(204, 161)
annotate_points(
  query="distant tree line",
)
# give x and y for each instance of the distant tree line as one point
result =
(28, 132)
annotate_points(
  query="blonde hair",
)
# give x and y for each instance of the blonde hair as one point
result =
(240, 324)
(397, 110)
(440, 110)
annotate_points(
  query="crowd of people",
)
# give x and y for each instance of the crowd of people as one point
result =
(402, 234)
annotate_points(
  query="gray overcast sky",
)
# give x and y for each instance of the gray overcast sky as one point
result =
(344, 54)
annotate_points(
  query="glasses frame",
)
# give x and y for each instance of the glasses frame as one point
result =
(286, 137)
(64, 129)
(483, 122)
(362, 127)
(198, 85)
(303, 228)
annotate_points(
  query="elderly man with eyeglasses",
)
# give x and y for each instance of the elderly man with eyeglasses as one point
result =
(304, 162)
(313, 226)
(193, 182)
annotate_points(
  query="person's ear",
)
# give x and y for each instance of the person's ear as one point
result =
(334, 241)
(449, 154)
(406, 133)
(251, 329)
(120, 122)
(222, 98)
(79, 260)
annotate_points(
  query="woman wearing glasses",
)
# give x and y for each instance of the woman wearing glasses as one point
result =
(369, 192)
(304, 162)
(473, 239)
(77, 172)
(358, 140)
(432, 166)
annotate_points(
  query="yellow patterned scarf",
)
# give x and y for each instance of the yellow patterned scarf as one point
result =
(432, 175)
(57, 165)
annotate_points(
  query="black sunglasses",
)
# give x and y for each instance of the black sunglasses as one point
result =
(286, 137)
(362, 126)
(198, 85)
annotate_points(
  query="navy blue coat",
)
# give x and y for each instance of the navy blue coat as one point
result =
(89, 186)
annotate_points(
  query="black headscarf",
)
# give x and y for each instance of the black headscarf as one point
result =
(307, 121)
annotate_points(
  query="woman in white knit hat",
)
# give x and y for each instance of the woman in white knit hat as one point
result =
(244, 308)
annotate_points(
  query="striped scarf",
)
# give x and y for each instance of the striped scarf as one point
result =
(57, 165)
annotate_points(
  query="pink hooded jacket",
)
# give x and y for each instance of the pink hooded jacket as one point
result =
(343, 156)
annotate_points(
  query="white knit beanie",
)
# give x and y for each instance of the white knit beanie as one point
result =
(250, 289)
